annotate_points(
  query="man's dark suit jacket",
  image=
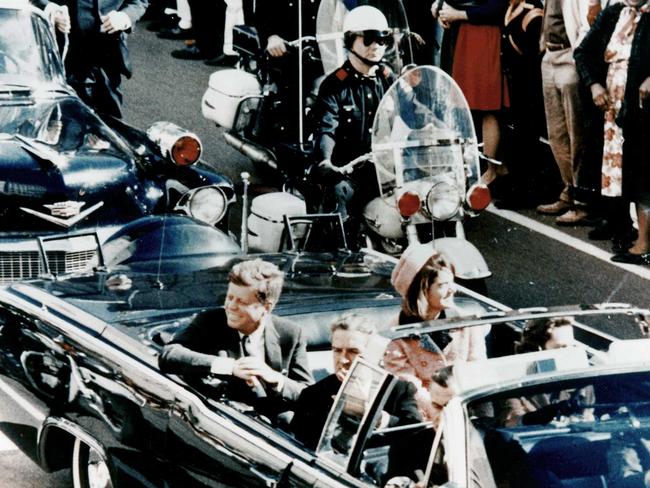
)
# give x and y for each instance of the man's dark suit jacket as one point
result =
(113, 49)
(316, 401)
(193, 349)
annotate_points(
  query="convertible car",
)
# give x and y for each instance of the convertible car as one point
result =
(70, 179)
(80, 384)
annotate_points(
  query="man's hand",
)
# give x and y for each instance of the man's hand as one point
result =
(59, 16)
(114, 22)
(276, 46)
(644, 92)
(448, 15)
(599, 96)
(250, 367)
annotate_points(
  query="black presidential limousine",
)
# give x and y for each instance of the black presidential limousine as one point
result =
(80, 383)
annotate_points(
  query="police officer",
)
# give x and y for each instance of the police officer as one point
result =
(279, 22)
(345, 109)
(98, 55)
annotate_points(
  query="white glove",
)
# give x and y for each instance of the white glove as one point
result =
(114, 22)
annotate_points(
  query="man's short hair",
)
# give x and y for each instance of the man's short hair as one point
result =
(353, 322)
(264, 277)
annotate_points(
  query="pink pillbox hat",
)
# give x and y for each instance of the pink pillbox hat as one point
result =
(410, 263)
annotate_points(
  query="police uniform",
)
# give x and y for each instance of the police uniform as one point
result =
(344, 114)
(280, 18)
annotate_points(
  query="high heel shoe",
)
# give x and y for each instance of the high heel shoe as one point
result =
(629, 258)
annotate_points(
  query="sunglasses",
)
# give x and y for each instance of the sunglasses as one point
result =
(383, 38)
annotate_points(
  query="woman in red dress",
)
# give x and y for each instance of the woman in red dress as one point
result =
(477, 67)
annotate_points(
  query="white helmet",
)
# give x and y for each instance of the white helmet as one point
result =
(364, 18)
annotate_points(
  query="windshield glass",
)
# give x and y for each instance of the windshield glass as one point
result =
(423, 130)
(585, 431)
(329, 30)
(27, 50)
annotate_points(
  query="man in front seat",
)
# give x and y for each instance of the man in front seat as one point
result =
(257, 354)
(350, 338)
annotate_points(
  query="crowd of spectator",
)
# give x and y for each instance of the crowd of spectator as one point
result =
(560, 71)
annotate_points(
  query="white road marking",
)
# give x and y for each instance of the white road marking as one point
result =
(5, 444)
(571, 241)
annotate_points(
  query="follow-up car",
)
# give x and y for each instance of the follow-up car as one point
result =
(65, 172)
(81, 387)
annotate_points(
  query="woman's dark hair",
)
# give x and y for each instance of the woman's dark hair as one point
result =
(415, 301)
(537, 333)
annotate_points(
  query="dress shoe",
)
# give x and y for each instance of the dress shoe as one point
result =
(223, 60)
(629, 258)
(555, 208)
(575, 216)
(189, 52)
(175, 33)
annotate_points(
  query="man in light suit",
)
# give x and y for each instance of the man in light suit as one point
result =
(97, 56)
(256, 354)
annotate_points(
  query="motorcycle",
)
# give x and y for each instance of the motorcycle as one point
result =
(426, 156)
(424, 146)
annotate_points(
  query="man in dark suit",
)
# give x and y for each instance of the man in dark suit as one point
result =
(350, 339)
(256, 354)
(97, 55)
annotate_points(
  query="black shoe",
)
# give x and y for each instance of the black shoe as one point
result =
(175, 33)
(629, 258)
(189, 52)
(223, 60)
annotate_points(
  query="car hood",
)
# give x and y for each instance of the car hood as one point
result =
(56, 151)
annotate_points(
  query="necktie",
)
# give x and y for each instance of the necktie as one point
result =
(246, 346)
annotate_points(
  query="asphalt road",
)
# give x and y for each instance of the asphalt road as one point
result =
(529, 267)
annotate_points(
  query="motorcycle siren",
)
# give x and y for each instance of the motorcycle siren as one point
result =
(409, 204)
(182, 147)
(478, 197)
(369, 23)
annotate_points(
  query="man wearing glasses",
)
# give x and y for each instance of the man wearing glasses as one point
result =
(345, 109)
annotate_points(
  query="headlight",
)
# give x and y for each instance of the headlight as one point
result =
(443, 200)
(207, 204)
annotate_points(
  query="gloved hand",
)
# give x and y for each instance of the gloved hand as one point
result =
(115, 21)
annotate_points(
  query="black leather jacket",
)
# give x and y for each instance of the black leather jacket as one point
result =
(345, 111)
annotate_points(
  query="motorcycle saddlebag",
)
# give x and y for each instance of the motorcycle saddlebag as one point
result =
(226, 89)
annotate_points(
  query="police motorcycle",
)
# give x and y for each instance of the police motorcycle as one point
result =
(426, 157)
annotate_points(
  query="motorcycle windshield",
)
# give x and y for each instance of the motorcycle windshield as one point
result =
(423, 130)
(329, 31)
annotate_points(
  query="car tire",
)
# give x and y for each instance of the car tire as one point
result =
(90, 467)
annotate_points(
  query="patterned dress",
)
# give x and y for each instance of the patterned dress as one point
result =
(617, 55)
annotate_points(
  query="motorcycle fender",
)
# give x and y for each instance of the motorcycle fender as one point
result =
(467, 260)
(384, 218)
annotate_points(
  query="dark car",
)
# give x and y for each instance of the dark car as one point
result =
(81, 386)
(65, 171)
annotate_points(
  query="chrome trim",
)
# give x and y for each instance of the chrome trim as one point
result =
(60, 221)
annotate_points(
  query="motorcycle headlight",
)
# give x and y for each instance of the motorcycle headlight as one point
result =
(443, 200)
(207, 204)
